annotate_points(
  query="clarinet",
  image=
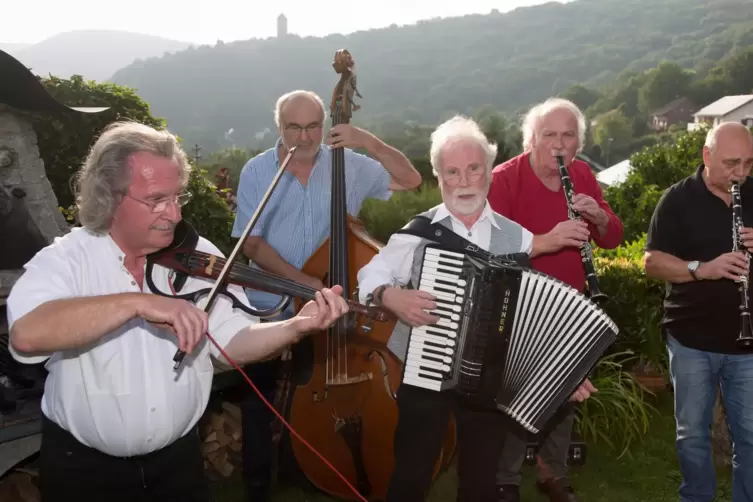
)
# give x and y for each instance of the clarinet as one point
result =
(745, 338)
(586, 254)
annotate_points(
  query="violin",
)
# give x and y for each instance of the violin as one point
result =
(190, 262)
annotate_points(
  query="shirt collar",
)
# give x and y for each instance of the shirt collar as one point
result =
(487, 213)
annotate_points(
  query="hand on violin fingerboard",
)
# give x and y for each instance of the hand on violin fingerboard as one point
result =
(322, 312)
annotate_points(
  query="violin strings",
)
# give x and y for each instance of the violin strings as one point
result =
(239, 270)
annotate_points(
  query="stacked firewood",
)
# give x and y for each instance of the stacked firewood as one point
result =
(220, 432)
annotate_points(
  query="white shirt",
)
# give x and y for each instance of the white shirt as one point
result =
(394, 262)
(120, 394)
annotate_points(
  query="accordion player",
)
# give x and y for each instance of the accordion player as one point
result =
(508, 336)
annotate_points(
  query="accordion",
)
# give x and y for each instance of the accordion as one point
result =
(508, 337)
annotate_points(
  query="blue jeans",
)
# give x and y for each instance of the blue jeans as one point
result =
(695, 375)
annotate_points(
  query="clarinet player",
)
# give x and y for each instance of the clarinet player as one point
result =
(690, 246)
(528, 189)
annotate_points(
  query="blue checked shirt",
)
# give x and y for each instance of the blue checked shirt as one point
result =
(296, 219)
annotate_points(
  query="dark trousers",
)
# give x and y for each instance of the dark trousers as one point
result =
(421, 429)
(554, 448)
(257, 419)
(70, 471)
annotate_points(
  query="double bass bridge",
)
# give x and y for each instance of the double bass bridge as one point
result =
(350, 380)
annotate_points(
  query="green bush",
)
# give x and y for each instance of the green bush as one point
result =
(635, 303)
(382, 218)
(208, 213)
(64, 141)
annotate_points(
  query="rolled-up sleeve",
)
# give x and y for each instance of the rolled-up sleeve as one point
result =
(373, 179)
(392, 265)
(47, 277)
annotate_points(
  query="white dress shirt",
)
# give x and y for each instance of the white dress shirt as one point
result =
(120, 394)
(394, 262)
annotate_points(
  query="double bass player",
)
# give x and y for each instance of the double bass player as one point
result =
(294, 223)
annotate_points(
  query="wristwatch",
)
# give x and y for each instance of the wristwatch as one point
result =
(693, 267)
(378, 293)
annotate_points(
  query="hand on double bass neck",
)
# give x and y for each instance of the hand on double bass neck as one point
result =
(348, 136)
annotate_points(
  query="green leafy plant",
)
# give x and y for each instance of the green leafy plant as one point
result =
(618, 414)
(635, 304)
(64, 141)
(208, 212)
(383, 218)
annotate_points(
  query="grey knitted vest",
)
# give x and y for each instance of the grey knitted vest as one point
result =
(508, 238)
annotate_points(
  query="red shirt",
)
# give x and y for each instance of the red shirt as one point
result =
(517, 193)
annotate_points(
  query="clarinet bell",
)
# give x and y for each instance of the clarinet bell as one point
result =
(745, 339)
(600, 298)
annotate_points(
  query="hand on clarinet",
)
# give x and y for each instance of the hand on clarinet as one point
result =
(584, 391)
(727, 266)
(746, 235)
(589, 209)
(568, 233)
(411, 305)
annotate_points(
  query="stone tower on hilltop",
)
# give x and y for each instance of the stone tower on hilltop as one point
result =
(282, 26)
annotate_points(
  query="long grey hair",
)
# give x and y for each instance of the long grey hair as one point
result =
(105, 175)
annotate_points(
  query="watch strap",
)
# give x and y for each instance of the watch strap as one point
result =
(379, 294)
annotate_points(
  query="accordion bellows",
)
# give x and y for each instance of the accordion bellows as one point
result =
(508, 337)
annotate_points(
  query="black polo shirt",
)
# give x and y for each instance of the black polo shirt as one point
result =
(692, 223)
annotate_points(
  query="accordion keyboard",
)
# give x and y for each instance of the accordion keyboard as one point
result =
(431, 349)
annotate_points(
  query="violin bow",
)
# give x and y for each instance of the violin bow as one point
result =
(179, 355)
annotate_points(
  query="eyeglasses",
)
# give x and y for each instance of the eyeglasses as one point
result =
(454, 179)
(160, 205)
(298, 129)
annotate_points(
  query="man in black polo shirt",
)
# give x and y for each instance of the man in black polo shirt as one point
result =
(689, 245)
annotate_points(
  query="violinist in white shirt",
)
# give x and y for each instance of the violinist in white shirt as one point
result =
(119, 420)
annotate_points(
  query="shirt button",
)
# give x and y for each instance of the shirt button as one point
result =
(154, 409)
(133, 283)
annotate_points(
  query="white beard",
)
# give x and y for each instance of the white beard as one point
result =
(467, 206)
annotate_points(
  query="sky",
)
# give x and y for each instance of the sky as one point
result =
(207, 21)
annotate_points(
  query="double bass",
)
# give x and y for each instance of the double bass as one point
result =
(347, 410)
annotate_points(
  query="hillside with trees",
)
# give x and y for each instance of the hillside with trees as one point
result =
(222, 96)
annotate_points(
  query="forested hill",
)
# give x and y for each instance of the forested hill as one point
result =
(425, 71)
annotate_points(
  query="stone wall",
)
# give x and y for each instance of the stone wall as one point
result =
(23, 178)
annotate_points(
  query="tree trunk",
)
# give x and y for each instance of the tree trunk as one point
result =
(720, 439)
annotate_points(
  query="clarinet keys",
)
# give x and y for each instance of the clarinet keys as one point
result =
(745, 338)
